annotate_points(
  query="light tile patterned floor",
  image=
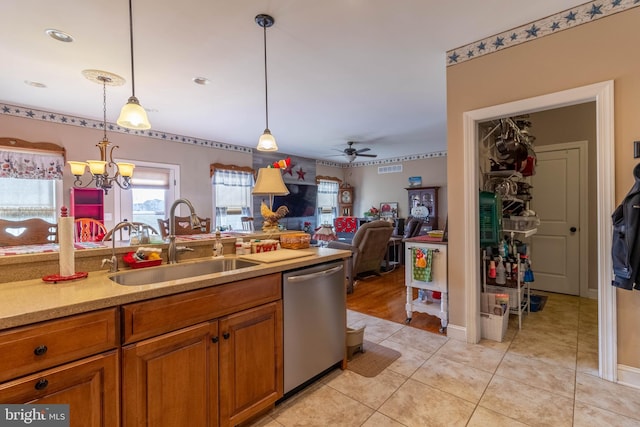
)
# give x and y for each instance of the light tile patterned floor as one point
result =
(542, 375)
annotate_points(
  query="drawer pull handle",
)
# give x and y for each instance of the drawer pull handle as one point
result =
(214, 339)
(40, 350)
(42, 384)
(226, 335)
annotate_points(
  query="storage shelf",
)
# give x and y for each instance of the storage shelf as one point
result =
(524, 233)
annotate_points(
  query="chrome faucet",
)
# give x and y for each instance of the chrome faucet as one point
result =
(113, 262)
(195, 223)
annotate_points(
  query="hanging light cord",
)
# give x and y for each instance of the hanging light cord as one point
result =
(133, 82)
(266, 86)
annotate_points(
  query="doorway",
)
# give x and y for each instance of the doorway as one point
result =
(602, 94)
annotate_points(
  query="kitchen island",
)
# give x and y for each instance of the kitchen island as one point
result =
(211, 345)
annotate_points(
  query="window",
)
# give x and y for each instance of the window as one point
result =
(327, 201)
(30, 183)
(153, 190)
(232, 197)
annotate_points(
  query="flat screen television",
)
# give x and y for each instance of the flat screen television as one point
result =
(301, 200)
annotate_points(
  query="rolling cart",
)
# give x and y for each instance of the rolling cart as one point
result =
(415, 278)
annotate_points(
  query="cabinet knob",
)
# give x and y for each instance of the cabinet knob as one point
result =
(40, 350)
(226, 335)
(573, 229)
(42, 384)
(214, 339)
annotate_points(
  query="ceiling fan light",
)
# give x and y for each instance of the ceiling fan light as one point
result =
(267, 142)
(133, 116)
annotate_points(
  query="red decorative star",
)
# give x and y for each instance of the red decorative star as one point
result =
(300, 174)
(288, 169)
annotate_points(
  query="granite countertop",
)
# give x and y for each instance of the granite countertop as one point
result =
(30, 301)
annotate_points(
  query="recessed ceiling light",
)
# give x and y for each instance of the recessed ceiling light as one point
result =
(201, 81)
(61, 36)
(35, 84)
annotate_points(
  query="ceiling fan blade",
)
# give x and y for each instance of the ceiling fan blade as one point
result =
(362, 150)
(367, 155)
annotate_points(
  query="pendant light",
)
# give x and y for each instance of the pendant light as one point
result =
(266, 142)
(132, 115)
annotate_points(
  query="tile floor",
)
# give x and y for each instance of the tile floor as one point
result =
(542, 375)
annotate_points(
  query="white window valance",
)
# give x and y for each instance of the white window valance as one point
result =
(30, 165)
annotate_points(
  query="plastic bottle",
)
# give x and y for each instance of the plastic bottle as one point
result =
(501, 274)
(239, 246)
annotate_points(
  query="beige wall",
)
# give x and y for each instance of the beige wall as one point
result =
(595, 52)
(371, 189)
(80, 144)
(194, 161)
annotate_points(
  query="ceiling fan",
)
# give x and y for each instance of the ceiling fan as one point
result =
(351, 153)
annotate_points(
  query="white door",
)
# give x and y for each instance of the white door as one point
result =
(555, 248)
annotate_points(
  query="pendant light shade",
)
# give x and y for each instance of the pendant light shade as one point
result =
(266, 142)
(132, 115)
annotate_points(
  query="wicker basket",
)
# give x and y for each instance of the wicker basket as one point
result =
(295, 241)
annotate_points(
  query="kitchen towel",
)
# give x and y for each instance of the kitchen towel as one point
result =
(65, 239)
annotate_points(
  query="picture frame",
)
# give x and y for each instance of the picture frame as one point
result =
(415, 181)
(388, 210)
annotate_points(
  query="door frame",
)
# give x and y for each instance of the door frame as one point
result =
(583, 208)
(602, 93)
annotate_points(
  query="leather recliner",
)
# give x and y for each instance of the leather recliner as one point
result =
(368, 248)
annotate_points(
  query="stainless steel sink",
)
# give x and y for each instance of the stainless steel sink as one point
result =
(151, 275)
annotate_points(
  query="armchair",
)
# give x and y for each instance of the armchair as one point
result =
(368, 248)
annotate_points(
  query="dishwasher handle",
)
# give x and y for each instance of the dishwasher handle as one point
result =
(310, 276)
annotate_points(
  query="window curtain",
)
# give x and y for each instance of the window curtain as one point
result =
(232, 196)
(29, 165)
(327, 201)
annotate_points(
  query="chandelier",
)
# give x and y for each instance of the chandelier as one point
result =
(104, 172)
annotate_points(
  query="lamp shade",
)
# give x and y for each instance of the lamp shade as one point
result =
(267, 142)
(270, 182)
(126, 169)
(97, 167)
(133, 116)
(77, 168)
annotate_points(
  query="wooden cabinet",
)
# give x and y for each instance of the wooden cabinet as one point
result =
(87, 203)
(221, 368)
(58, 362)
(251, 376)
(172, 380)
(423, 203)
(89, 386)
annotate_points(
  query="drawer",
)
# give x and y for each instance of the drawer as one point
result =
(154, 317)
(29, 349)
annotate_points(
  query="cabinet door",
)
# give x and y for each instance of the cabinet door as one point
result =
(89, 386)
(172, 380)
(251, 376)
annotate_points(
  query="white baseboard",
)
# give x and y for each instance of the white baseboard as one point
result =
(457, 332)
(629, 376)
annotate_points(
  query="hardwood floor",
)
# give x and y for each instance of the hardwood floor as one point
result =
(385, 297)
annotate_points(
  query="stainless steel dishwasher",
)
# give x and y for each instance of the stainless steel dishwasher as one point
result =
(315, 314)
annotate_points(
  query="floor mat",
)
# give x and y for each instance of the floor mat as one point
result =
(373, 360)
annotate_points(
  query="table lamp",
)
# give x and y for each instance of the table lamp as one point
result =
(270, 183)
